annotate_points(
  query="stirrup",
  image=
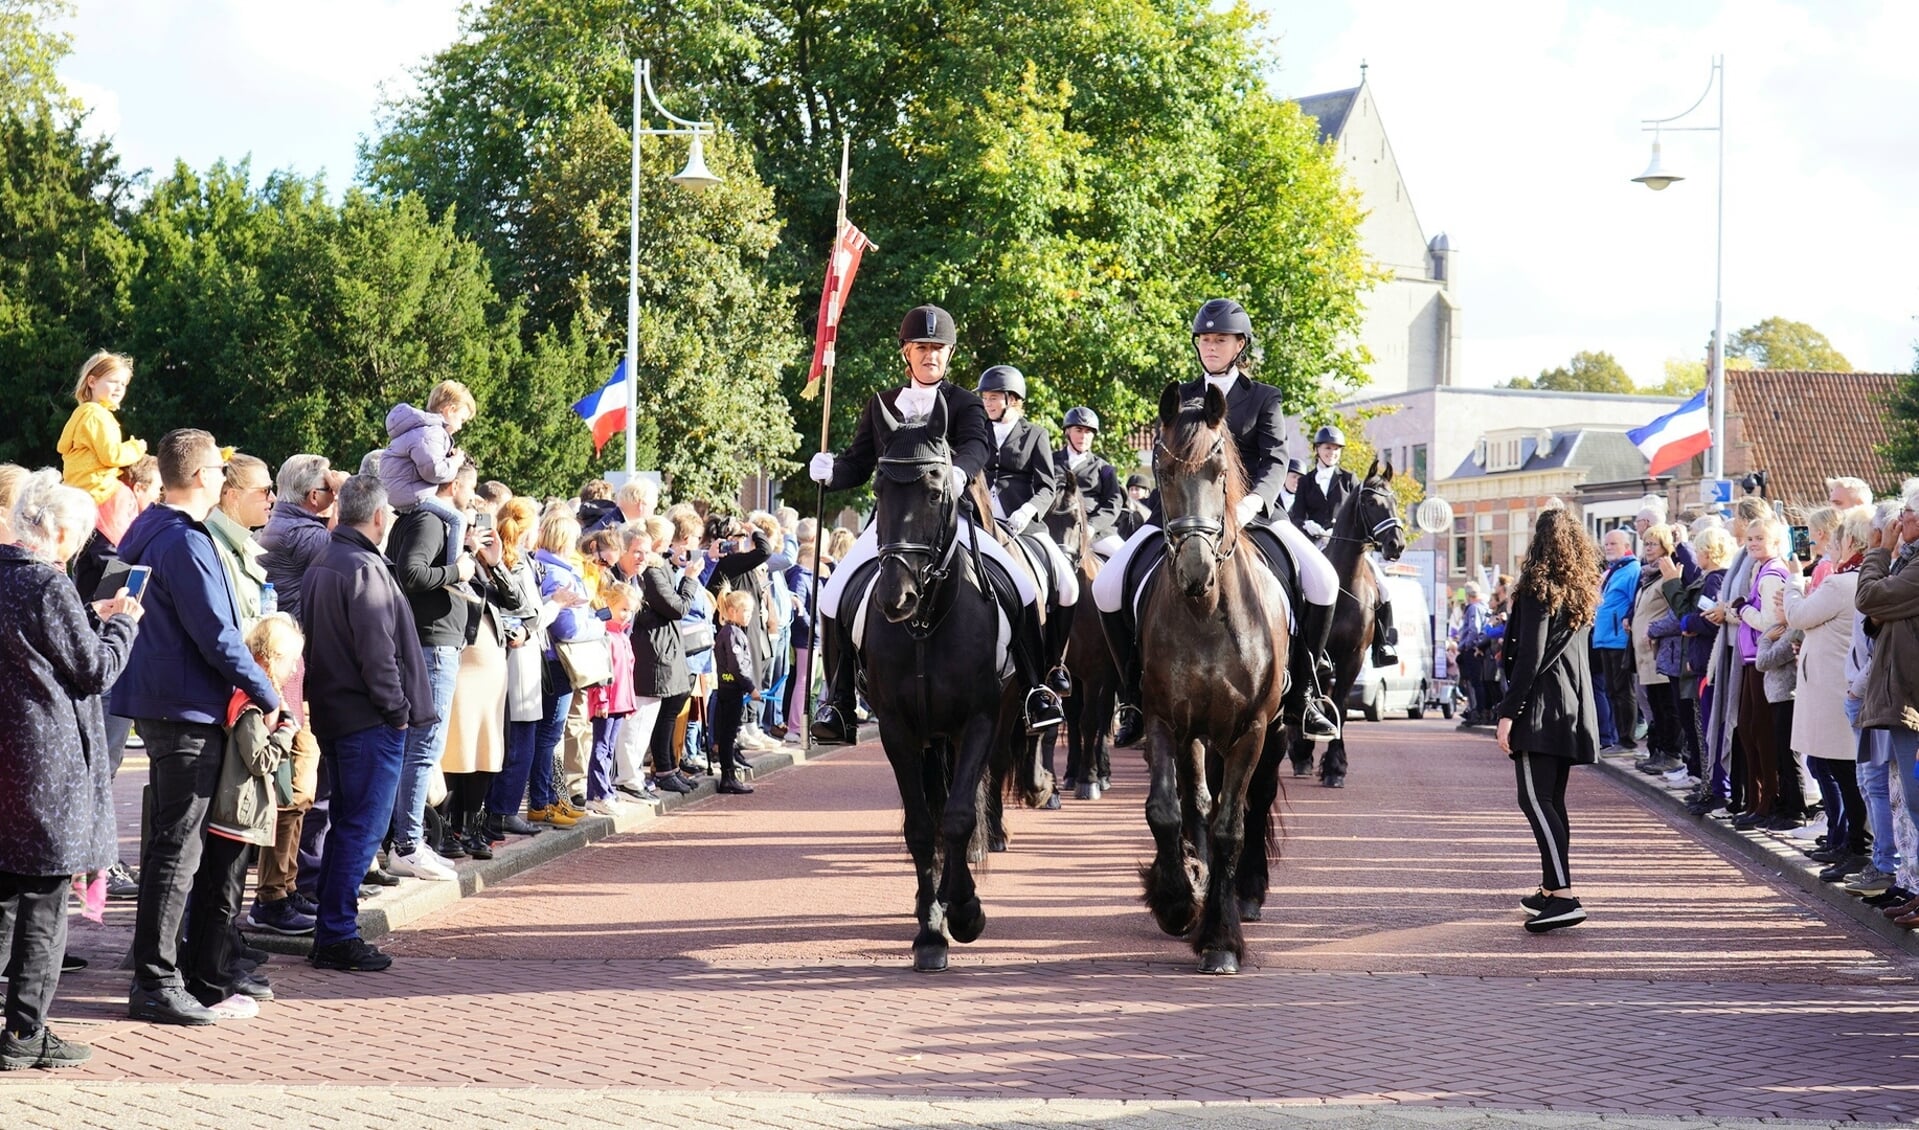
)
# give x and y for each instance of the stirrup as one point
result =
(1313, 722)
(1132, 724)
(1042, 710)
(830, 728)
(1059, 680)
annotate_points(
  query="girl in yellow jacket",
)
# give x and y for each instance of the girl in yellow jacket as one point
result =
(91, 447)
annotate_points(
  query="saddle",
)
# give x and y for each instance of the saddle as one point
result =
(1151, 554)
(856, 601)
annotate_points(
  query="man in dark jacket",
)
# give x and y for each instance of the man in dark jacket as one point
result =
(368, 687)
(438, 596)
(183, 668)
(1098, 483)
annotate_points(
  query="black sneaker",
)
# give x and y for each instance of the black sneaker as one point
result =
(734, 787)
(42, 1049)
(168, 1004)
(351, 956)
(1556, 914)
(281, 916)
(1536, 901)
(122, 883)
(248, 952)
(478, 846)
(72, 964)
(1842, 867)
(303, 904)
(1891, 896)
(380, 877)
(672, 783)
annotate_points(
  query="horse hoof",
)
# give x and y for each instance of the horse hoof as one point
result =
(966, 923)
(1335, 781)
(1052, 803)
(1302, 768)
(1250, 911)
(996, 843)
(1219, 963)
(1106, 784)
(1087, 790)
(929, 959)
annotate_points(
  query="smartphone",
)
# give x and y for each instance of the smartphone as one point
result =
(1707, 604)
(1802, 542)
(482, 520)
(137, 577)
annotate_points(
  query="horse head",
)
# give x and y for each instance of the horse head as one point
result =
(1378, 512)
(917, 505)
(1200, 485)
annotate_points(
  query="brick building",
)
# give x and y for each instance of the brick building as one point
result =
(1513, 473)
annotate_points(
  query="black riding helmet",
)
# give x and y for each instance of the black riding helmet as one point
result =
(928, 323)
(1082, 417)
(1224, 316)
(1003, 378)
(1329, 434)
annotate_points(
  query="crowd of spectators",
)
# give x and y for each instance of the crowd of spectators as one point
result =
(1759, 661)
(348, 681)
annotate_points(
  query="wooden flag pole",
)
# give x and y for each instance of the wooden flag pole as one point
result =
(826, 436)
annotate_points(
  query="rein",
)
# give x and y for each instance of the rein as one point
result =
(1391, 522)
(1178, 531)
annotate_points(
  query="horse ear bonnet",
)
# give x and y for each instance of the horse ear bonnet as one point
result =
(910, 449)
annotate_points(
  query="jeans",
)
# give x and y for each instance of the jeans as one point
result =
(1618, 679)
(503, 797)
(424, 745)
(1602, 706)
(118, 729)
(1875, 766)
(36, 905)
(455, 525)
(546, 737)
(599, 766)
(313, 829)
(183, 767)
(366, 777)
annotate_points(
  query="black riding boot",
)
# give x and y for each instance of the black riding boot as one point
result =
(1059, 626)
(1125, 648)
(1029, 662)
(837, 721)
(1384, 636)
(1305, 699)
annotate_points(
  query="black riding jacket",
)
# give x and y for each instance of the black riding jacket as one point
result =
(1310, 504)
(968, 432)
(1019, 472)
(1098, 485)
(1261, 431)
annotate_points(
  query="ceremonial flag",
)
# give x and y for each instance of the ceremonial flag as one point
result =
(839, 280)
(605, 410)
(1675, 437)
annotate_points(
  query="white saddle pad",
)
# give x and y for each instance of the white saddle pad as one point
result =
(1002, 655)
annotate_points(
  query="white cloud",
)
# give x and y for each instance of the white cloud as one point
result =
(1517, 129)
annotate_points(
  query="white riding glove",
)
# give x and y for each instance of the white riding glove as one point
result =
(1249, 508)
(1314, 528)
(1021, 518)
(820, 467)
(959, 478)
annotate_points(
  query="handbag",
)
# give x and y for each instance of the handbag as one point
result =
(698, 637)
(587, 662)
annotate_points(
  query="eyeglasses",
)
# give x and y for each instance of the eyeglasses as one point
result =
(220, 467)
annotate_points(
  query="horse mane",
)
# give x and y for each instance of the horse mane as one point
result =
(1076, 502)
(983, 506)
(1185, 439)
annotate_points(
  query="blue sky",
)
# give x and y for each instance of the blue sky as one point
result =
(1516, 125)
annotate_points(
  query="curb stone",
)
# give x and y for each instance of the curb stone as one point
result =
(1774, 855)
(414, 899)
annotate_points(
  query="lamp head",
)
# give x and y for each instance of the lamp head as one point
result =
(696, 175)
(1657, 176)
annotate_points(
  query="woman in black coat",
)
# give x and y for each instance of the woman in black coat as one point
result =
(659, 653)
(1546, 720)
(56, 786)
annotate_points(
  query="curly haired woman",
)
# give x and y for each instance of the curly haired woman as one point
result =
(1547, 722)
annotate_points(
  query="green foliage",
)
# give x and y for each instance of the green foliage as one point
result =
(1901, 448)
(1588, 371)
(1779, 343)
(29, 51)
(65, 263)
(1070, 180)
(1359, 453)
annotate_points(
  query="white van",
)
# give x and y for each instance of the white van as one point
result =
(1380, 691)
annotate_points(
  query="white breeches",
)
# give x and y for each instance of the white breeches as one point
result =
(1317, 577)
(867, 546)
(1068, 576)
(1107, 546)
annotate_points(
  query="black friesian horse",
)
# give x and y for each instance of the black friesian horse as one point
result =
(948, 722)
(1214, 634)
(1368, 518)
(1088, 659)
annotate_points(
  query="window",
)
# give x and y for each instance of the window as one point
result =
(1459, 545)
(1419, 465)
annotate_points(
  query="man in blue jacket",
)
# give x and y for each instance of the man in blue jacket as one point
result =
(184, 667)
(1612, 640)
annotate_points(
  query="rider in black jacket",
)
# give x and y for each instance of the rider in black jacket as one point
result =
(1321, 492)
(1098, 482)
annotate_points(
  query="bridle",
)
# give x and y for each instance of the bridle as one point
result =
(1179, 531)
(1384, 497)
(927, 563)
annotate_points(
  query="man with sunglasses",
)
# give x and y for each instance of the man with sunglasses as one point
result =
(183, 670)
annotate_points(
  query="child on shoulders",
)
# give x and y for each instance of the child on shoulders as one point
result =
(420, 457)
(92, 448)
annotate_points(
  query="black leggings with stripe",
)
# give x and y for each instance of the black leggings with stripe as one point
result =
(1542, 797)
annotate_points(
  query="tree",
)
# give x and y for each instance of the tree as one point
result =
(29, 52)
(1778, 343)
(1587, 372)
(1070, 180)
(65, 263)
(1901, 448)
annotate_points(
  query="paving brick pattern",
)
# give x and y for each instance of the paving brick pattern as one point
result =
(758, 945)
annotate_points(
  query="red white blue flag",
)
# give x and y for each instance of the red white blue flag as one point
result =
(605, 410)
(1675, 437)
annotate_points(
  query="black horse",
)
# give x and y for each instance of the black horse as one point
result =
(1367, 519)
(1088, 659)
(932, 675)
(1214, 635)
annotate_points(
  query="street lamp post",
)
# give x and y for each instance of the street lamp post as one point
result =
(694, 176)
(1657, 177)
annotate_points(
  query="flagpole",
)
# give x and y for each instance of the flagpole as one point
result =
(826, 436)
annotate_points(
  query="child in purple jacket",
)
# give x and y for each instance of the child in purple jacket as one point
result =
(420, 457)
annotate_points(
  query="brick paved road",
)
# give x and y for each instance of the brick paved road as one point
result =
(759, 944)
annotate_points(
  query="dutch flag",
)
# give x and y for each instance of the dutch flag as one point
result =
(1675, 437)
(605, 410)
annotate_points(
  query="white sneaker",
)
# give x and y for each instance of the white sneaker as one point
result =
(422, 864)
(604, 807)
(1810, 831)
(239, 1006)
